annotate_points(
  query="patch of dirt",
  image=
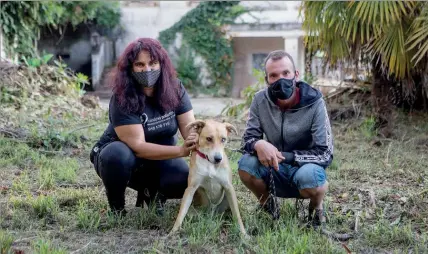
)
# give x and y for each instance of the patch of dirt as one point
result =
(100, 242)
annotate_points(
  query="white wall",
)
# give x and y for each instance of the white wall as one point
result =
(147, 20)
(100, 60)
(2, 53)
(244, 48)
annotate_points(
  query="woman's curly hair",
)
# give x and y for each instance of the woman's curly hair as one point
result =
(129, 94)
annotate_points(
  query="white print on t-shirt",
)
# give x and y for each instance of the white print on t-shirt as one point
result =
(160, 122)
(144, 119)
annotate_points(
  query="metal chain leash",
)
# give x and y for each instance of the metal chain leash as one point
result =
(272, 196)
(271, 188)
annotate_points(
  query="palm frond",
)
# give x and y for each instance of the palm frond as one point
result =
(391, 46)
(418, 35)
(322, 28)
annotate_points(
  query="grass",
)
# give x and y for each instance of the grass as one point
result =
(52, 201)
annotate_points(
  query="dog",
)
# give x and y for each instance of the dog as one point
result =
(210, 176)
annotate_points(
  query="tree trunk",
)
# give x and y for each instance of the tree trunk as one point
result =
(355, 69)
(425, 88)
(382, 109)
(308, 61)
(324, 66)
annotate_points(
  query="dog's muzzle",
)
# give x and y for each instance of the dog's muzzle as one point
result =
(217, 158)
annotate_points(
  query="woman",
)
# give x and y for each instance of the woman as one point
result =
(138, 149)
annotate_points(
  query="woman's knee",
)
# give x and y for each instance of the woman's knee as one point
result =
(117, 155)
(173, 177)
(173, 171)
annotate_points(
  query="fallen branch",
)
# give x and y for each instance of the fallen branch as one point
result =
(52, 152)
(348, 251)
(357, 221)
(16, 140)
(24, 239)
(84, 247)
(11, 134)
(152, 249)
(81, 127)
(78, 186)
(387, 155)
(372, 198)
(360, 198)
(422, 192)
(337, 236)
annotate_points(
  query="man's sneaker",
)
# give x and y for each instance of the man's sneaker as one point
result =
(316, 219)
(269, 208)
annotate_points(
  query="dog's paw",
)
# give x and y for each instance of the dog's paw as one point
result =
(172, 233)
(245, 236)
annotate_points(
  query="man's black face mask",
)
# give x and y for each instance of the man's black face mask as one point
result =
(281, 89)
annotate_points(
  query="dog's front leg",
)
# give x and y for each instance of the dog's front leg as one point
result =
(233, 202)
(185, 204)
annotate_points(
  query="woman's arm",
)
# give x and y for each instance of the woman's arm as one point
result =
(183, 120)
(133, 136)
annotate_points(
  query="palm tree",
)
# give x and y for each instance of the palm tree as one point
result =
(390, 36)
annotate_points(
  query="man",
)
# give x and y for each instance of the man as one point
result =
(298, 141)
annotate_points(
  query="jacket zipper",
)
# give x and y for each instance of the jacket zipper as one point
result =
(282, 132)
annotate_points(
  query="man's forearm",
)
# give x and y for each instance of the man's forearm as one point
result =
(249, 145)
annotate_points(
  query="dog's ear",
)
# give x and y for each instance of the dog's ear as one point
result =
(196, 125)
(230, 128)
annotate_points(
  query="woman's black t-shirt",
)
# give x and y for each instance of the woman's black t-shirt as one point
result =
(159, 128)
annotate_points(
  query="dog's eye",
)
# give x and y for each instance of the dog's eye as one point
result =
(209, 139)
(223, 140)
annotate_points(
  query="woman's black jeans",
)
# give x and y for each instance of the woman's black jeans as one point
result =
(119, 168)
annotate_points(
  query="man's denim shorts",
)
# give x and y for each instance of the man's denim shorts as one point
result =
(288, 179)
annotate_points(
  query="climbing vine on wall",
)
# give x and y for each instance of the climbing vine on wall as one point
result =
(203, 30)
(22, 21)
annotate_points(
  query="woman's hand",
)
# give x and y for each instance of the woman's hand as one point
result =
(187, 147)
(193, 137)
(189, 144)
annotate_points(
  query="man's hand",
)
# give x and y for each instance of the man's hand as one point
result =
(268, 154)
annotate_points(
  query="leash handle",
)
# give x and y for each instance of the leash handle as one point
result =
(272, 194)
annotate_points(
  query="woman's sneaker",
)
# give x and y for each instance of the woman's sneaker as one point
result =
(158, 200)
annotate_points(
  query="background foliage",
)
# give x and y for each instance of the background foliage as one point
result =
(240, 110)
(391, 36)
(204, 32)
(22, 21)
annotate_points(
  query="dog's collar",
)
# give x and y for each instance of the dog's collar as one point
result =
(204, 156)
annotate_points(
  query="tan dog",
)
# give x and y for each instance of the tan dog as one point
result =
(210, 176)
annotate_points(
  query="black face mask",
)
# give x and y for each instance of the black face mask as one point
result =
(147, 78)
(281, 89)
